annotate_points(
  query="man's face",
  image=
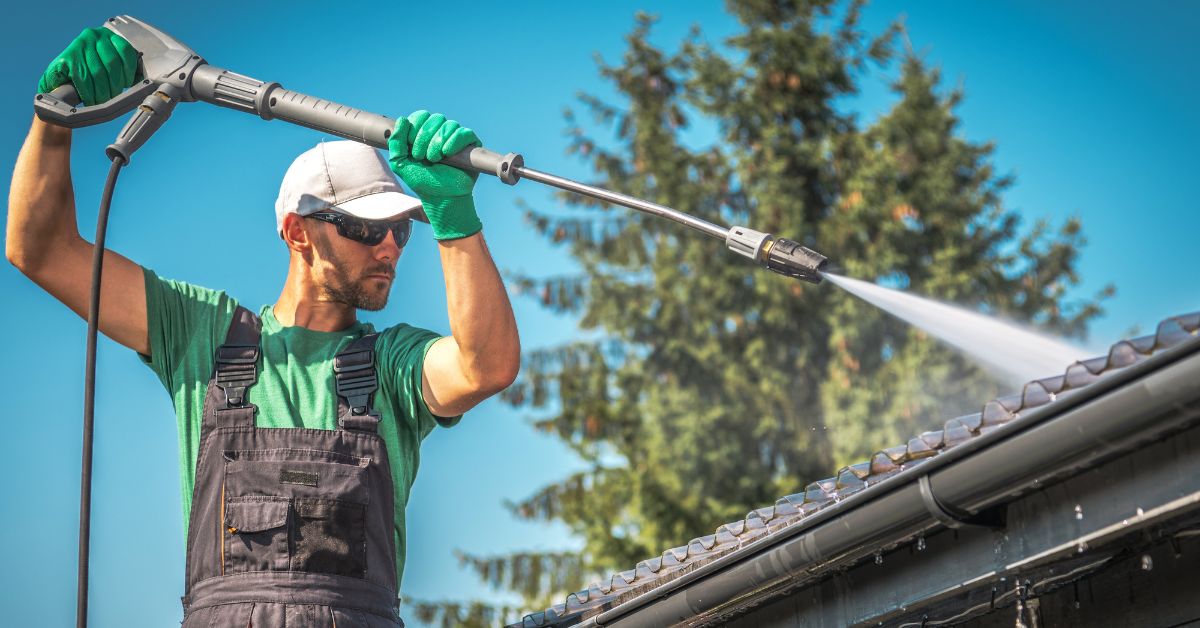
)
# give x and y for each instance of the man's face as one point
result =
(351, 272)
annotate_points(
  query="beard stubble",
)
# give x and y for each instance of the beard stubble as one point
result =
(342, 288)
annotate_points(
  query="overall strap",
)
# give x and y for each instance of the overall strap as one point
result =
(235, 370)
(356, 381)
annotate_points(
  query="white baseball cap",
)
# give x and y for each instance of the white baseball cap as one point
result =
(343, 176)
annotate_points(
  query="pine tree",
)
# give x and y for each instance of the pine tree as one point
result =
(924, 210)
(716, 387)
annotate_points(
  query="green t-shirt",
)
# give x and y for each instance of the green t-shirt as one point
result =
(295, 383)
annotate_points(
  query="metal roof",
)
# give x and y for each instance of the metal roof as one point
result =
(761, 524)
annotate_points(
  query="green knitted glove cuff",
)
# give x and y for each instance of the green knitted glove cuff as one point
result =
(452, 217)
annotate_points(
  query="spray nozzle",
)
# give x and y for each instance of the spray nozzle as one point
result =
(778, 254)
(794, 260)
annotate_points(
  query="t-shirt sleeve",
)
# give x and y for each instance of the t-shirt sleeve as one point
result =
(407, 361)
(185, 323)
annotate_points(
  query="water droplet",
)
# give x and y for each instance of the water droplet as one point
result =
(1140, 512)
(1077, 607)
(878, 557)
(1147, 562)
(1078, 512)
(920, 543)
(1082, 547)
(1124, 522)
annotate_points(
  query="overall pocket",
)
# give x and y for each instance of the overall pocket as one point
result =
(330, 536)
(256, 536)
(295, 510)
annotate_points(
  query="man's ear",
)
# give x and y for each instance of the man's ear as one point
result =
(295, 234)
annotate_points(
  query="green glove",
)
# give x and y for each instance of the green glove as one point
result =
(415, 147)
(99, 62)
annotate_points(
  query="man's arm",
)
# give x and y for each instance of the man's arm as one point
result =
(43, 240)
(483, 353)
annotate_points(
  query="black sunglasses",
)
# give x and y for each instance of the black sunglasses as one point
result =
(369, 232)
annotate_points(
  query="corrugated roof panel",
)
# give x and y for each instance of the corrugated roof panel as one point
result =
(972, 421)
(1078, 376)
(994, 413)
(1173, 331)
(955, 432)
(898, 454)
(918, 448)
(821, 494)
(816, 493)
(1096, 365)
(883, 463)
(1012, 403)
(1035, 394)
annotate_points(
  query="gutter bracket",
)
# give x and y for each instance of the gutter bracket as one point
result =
(953, 517)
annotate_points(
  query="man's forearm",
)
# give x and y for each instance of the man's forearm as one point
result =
(41, 202)
(481, 317)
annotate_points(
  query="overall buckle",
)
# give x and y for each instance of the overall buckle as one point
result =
(354, 372)
(237, 370)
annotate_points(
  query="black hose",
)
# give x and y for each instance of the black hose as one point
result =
(89, 397)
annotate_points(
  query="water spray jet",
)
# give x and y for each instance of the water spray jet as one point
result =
(1014, 354)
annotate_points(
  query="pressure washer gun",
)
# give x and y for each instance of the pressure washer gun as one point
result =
(174, 73)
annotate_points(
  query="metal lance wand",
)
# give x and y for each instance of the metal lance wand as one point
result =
(175, 73)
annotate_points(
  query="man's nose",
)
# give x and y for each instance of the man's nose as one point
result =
(389, 248)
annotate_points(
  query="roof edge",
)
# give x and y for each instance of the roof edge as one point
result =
(1111, 415)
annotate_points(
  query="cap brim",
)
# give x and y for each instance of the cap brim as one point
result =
(383, 205)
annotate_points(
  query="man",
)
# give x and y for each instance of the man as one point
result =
(299, 426)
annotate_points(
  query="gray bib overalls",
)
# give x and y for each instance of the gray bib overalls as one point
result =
(290, 527)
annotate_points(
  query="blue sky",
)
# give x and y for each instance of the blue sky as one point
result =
(1091, 105)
